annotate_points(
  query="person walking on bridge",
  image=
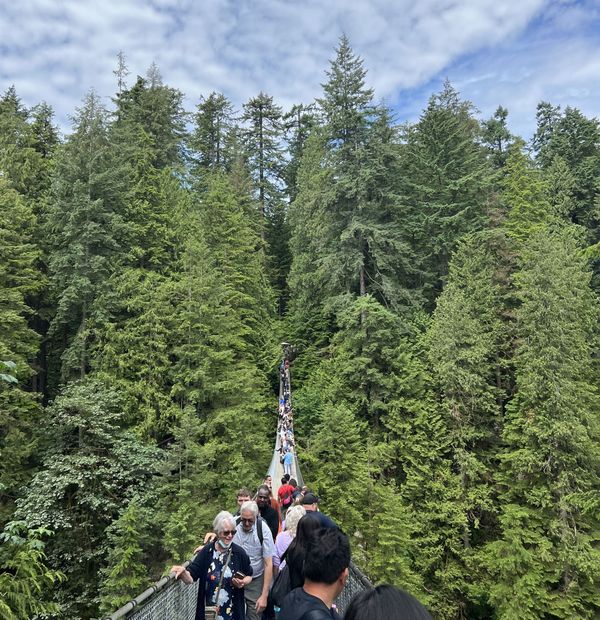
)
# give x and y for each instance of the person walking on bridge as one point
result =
(261, 554)
(288, 460)
(222, 569)
(267, 512)
(325, 574)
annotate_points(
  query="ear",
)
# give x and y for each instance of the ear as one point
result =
(344, 576)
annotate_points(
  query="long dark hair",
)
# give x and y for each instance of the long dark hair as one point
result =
(298, 549)
(385, 603)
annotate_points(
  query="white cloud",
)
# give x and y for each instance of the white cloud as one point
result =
(58, 50)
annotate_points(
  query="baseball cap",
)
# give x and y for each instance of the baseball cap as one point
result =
(310, 498)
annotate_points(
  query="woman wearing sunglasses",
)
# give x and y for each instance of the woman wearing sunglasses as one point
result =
(222, 569)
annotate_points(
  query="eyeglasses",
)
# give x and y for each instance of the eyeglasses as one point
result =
(228, 532)
(251, 520)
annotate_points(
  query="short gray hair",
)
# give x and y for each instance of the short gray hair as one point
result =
(249, 506)
(221, 519)
(292, 516)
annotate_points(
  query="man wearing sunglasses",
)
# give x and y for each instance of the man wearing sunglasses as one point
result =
(261, 558)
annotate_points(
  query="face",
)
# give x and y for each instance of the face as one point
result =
(242, 498)
(269, 481)
(227, 533)
(263, 499)
(247, 519)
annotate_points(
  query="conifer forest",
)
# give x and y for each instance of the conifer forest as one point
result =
(438, 279)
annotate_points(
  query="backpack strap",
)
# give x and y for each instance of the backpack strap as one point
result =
(259, 529)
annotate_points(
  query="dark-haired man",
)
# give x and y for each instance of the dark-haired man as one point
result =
(325, 574)
(267, 512)
(310, 502)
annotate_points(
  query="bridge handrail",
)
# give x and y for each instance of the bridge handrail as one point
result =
(144, 596)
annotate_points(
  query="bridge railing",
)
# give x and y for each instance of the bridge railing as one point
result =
(172, 599)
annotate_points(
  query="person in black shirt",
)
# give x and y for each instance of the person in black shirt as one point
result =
(298, 549)
(325, 573)
(269, 514)
(385, 602)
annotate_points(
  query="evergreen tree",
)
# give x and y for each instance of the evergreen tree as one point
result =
(133, 349)
(525, 196)
(336, 459)
(237, 251)
(126, 572)
(360, 245)
(262, 139)
(430, 494)
(447, 183)
(85, 232)
(157, 110)
(308, 321)
(497, 137)
(92, 467)
(546, 563)
(19, 279)
(25, 580)
(213, 133)
(299, 122)
(576, 139)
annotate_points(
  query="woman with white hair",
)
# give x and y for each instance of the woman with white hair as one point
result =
(222, 569)
(284, 539)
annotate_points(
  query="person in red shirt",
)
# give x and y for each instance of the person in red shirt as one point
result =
(286, 493)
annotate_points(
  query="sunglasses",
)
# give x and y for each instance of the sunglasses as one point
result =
(228, 532)
(248, 520)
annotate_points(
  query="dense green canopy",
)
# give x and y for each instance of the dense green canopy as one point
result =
(438, 280)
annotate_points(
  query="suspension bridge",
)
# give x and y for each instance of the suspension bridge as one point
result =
(169, 598)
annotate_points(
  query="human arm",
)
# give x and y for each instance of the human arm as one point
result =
(208, 537)
(182, 574)
(261, 601)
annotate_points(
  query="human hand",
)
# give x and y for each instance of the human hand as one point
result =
(261, 603)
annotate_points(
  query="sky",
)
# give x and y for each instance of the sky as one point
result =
(513, 53)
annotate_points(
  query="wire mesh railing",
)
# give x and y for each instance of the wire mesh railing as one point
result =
(169, 599)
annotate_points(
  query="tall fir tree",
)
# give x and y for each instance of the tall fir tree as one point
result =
(213, 133)
(546, 562)
(85, 231)
(363, 250)
(447, 184)
(19, 280)
(525, 195)
(497, 137)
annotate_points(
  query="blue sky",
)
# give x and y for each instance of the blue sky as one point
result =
(509, 52)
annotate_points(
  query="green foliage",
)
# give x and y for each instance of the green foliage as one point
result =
(213, 133)
(337, 460)
(497, 137)
(546, 562)
(19, 279)
(85, 231)
(432, 278)
(525, 195)
(126, 572)
(447, 184)
(360, 246)
(25, 579)
(93, 467)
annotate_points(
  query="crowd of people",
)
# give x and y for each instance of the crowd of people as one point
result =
(281, 557)
(285, 422)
